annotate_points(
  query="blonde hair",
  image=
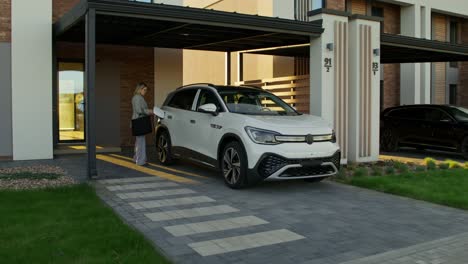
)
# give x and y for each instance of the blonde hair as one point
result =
(139, 87)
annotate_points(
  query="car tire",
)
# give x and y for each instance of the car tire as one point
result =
(464, 148)
(389, 141)
(163, 148)
(234, 166)
(317, 179)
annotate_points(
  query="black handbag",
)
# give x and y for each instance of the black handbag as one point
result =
(142, 126)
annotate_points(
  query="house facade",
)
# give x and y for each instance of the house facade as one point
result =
(341, 75)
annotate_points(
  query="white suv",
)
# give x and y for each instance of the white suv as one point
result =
(248, 133)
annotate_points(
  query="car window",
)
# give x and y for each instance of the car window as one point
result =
(208, 97)
(436, 115)
(183, 99)
(409, 113)
(460, 113)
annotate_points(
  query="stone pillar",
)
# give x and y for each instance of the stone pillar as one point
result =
(31, 54)
(329, 76)
(364, 89)
(415, 84)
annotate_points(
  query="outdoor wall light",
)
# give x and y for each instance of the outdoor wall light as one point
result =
(376, 52)
(330, 46)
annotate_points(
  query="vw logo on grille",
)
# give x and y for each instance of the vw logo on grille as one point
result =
(309, 139)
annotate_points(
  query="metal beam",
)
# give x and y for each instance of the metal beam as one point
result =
(240, 67)
(90, 93)
(228, 67)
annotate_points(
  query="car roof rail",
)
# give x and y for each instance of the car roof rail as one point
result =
(193, 84)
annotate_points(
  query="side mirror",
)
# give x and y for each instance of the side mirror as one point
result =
(159, 112)
(208, 108)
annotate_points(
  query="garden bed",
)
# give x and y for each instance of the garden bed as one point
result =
(34, 177)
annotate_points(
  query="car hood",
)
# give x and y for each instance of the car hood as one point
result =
(291, 125)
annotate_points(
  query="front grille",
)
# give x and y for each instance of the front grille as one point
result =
(272, 163)
(308, 171)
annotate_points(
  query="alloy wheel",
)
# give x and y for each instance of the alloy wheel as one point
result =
(162, 149)
(231, 166)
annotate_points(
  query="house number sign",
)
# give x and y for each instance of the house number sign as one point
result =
(328, 64)
(375, 67)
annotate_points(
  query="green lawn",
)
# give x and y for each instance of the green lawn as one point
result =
(67, 225)
(446, 187)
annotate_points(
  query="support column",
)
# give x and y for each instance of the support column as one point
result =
(415, 84)
(31, 79)
(364, 90)
(240, 67)
(227, 68)
(329, 76)
(90, 93)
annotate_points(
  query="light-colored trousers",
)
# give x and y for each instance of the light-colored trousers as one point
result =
(140, 150)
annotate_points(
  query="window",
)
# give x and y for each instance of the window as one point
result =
(453, 94)
(183, 100)
(453, 39)
(317, 4)
(378, 12)
(436, 115)
(409, 113)
(208, 97)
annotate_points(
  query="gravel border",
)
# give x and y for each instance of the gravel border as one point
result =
(31, 183)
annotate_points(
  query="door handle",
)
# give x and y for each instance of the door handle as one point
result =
(192, 121)
(169, 117)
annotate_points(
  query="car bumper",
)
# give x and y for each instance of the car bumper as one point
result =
(272, 167)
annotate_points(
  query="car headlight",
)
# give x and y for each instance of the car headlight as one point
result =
(261, 136)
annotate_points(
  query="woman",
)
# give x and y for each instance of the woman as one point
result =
(140, 108)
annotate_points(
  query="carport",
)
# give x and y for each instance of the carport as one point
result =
(129, 23)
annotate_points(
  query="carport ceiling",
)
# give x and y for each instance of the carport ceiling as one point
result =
(394, 49)
(156, 25)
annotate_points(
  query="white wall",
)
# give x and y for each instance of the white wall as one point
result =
(32, 79)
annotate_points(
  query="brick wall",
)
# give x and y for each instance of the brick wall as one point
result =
(439, 23)
(60, 7)
(339, 5)
(463, 69)
(5, 20)
(136, 65)
(358, 6)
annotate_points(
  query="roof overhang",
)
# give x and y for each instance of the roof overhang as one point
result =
(403, 49)
(394, 49)
(122, 22)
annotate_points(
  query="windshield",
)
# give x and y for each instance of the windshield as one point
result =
(460, 113)
(253, 102)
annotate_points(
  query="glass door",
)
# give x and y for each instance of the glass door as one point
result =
(71, 110)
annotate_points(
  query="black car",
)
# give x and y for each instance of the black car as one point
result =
(439, 127)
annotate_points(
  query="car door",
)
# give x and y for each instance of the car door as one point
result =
(411, 126)
(178, 116)
(442, 127)
(207, 126)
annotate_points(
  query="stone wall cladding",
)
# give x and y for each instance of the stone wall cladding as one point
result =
(358, 7)
(339, 5)
(5, 20)
(136, 65)
(439, 23)
(61, 7)
(391, 71)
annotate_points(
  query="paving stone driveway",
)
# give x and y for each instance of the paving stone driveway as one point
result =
(199, 220)
(202, 221)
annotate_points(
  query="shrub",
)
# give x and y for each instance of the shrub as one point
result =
(443, 166)
(376, 170)
(401, 167)
(420, 168)
(389, 170)
(430, 163)
(466, 165)
(359, 172)
(453, 164)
